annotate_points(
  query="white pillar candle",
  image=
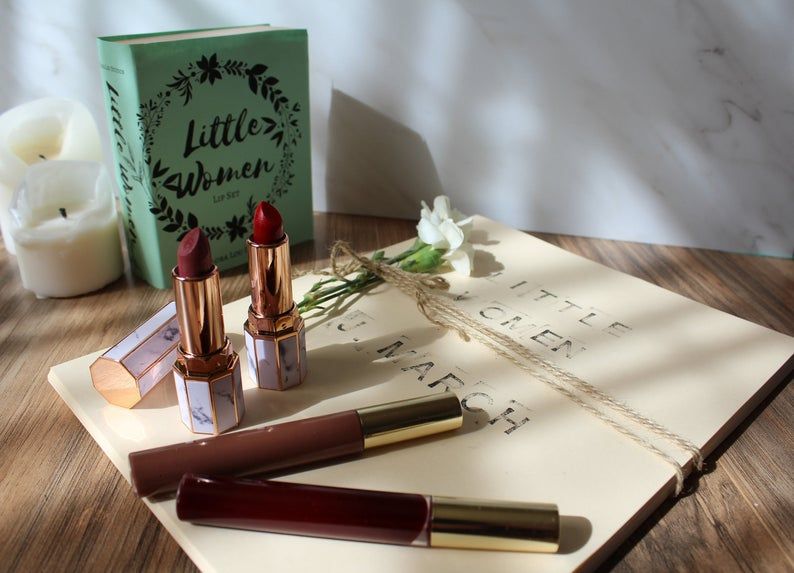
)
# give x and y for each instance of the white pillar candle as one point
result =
(65, 226)
(44, 129)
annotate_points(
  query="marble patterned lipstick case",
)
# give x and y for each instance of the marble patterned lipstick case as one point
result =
(131, 368)
(277, 363)
(212, 406)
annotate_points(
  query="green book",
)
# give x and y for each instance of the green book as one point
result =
(204, 124)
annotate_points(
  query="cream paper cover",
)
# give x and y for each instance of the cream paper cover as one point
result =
(694, 369)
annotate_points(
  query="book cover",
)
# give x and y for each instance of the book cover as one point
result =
(694, 369)
(204, 124)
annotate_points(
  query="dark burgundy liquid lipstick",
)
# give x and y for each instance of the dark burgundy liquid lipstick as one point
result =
(274, 334)
(207, 369)
(295, 444)
(362, 515)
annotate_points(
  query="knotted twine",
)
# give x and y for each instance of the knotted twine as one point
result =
(439, 310)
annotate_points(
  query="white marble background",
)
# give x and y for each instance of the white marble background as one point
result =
(657, 121)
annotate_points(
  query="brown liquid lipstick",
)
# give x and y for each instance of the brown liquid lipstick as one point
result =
(294, 444)
(363, 515)
(274, 334)
(207, 369)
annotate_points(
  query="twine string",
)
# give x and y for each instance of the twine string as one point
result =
(442, 312)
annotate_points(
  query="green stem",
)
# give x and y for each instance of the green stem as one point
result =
(348, 287)
(351, 290)
(332, 290)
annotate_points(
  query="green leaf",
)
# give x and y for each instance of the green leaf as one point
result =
(158, 170)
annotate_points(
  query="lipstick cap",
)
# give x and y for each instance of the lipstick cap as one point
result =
(129, 370)
(409, 419)
(499, 526)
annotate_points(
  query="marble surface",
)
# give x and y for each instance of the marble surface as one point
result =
(663, 122)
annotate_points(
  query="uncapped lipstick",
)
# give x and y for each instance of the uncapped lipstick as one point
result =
(274, 336)
(207, 369)
(365, 515)
(292, 445)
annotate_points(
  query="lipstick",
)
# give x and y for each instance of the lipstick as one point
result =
(365, 515)
(274, 334)
(295, 444)
(206, 369)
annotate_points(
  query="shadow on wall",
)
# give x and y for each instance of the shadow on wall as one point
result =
(376, 166)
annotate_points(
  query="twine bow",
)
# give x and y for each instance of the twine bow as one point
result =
(419, 286)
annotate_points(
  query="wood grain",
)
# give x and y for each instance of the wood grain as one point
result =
(63, 506)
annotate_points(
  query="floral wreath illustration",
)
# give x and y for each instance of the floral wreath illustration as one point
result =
(284, 132)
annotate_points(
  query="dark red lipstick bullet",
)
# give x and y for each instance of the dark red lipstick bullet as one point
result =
(268, 225)
(194, 257)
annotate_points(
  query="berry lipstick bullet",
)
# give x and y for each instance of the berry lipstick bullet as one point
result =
(207, 369)
(274, 335)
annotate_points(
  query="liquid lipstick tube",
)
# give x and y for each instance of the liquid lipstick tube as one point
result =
(295, 444)
(364, 515)
(274, 336)
(206, 369)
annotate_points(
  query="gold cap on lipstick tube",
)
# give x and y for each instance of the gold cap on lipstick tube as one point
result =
(132, 367)
(409, 419)
(499, 526)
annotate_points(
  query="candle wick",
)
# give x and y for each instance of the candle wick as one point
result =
(42, 157)
(62, 211)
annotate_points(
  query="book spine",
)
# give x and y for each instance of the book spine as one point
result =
(122, 102)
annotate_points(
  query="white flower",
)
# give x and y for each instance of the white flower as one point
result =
(446, 228)
(461, 259)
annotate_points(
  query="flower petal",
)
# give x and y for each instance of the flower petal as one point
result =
(426, 212)
(465, 226)
(441, 207)
(461, 259)
(452, 234)
(430, 234)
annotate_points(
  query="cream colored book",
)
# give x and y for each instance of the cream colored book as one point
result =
(694, 369)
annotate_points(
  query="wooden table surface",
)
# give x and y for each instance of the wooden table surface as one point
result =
(64, 507)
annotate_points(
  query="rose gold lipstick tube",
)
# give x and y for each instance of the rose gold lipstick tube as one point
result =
(207, 369)
(274, 335)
